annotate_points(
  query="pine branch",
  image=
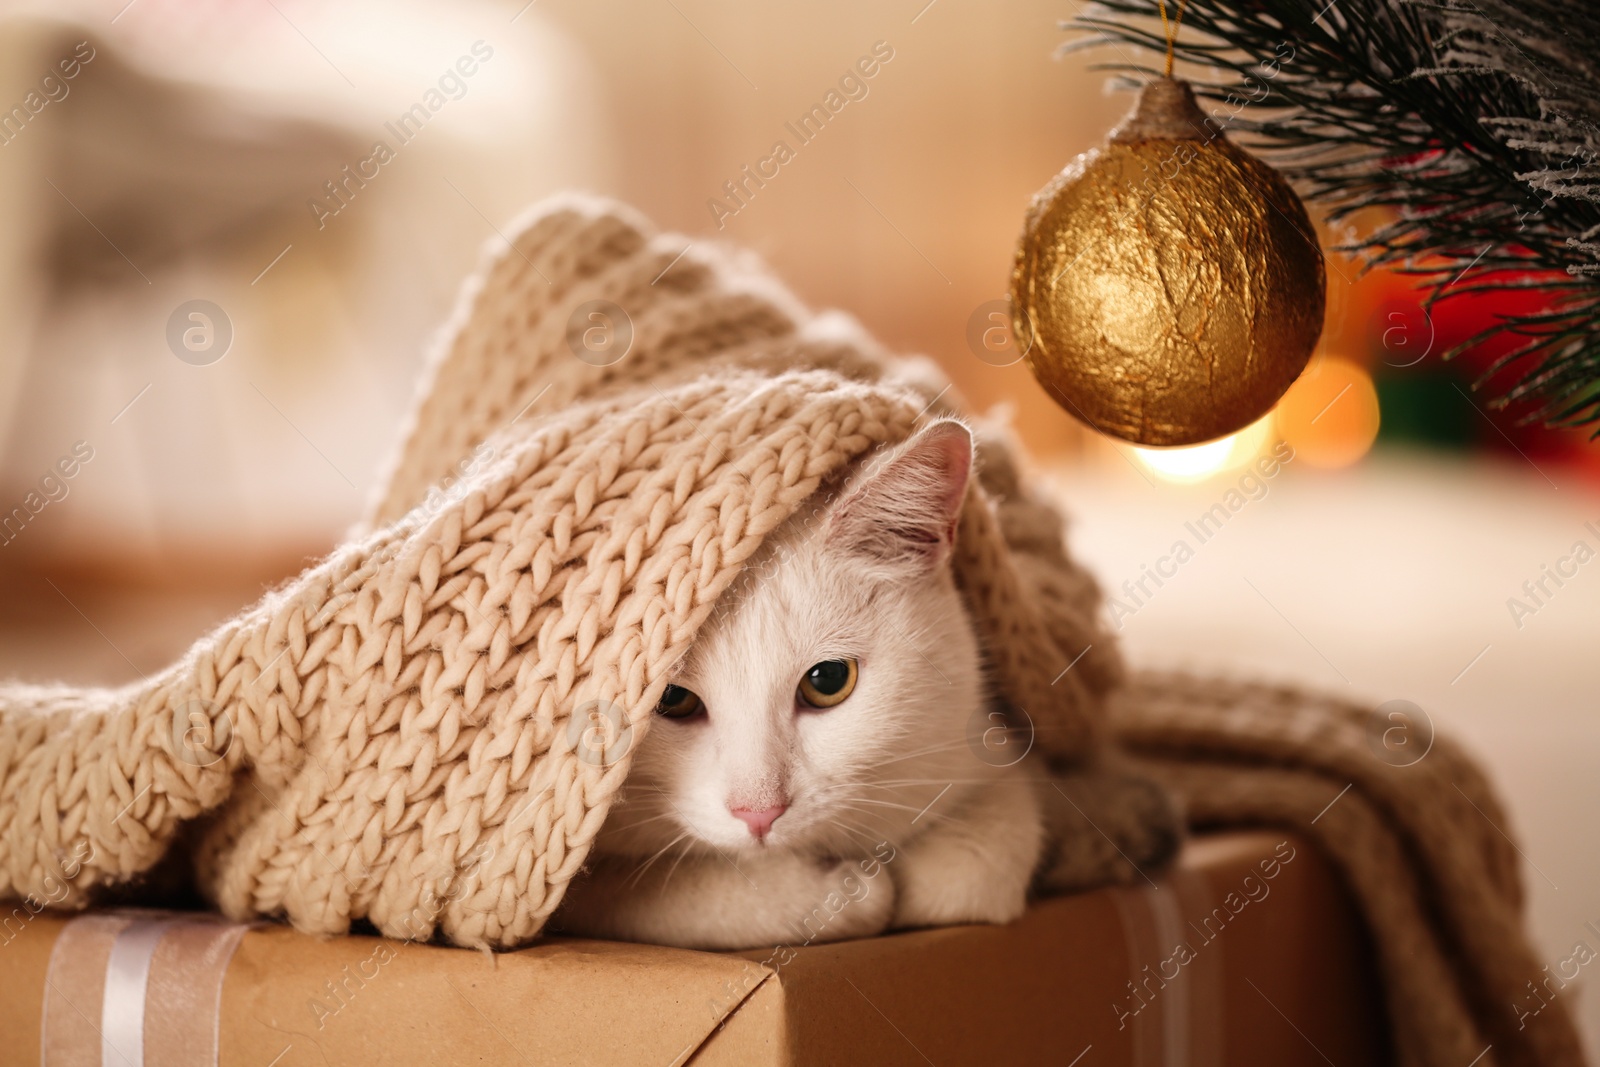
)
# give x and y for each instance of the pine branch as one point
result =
(1475, 122)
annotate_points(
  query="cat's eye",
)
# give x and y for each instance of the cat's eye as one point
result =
(679, 703)
(828, 683)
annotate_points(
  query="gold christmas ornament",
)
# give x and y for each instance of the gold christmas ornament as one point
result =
(1168, 287)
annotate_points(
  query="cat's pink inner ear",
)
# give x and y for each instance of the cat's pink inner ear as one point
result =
(907, 510)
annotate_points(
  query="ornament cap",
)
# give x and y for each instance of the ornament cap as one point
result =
(1165, 111)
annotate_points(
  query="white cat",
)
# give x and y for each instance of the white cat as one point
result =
(818, 770)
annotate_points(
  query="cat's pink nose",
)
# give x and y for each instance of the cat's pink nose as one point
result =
(760, 822)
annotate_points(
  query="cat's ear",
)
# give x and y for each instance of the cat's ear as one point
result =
(905, 511)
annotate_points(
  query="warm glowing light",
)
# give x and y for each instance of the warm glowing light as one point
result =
(1197, 462)
(1330, 415)
(1188, 464)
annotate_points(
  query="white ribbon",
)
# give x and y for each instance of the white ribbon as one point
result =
(127, 978)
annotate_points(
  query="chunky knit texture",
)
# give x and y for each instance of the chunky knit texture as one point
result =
(1422, 848)
(427, 728)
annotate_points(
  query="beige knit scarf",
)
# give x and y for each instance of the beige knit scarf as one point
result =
(426, 729)
(1422, 847)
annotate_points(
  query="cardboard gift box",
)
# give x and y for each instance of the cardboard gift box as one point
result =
(1250, 951)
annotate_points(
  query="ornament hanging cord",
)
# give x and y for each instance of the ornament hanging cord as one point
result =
(1171, 31)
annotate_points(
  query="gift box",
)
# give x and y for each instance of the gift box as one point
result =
(1248, 951)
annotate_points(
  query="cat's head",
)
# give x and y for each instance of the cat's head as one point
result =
(829, 698)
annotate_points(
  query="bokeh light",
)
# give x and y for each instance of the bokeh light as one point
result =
(1330, 414)
(1195, 463)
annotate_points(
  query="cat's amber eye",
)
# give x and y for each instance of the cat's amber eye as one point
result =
(679, 703)
(828, 684)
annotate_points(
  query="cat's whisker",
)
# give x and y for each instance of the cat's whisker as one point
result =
(944, 781)
(885, 804)
(640, 873)
(688, 846)
(633, 788)
(861, 834)
(929, 750)
(849, 795)
(923, 813)
(624, 825)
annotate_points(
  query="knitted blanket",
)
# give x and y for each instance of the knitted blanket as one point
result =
(1422, 848)
(426, 729)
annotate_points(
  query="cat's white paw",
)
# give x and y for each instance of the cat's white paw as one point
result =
(848, 904)
(948, 889)
(706, 902)
(976, 866)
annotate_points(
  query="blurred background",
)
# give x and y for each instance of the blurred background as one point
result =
(216, 289)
